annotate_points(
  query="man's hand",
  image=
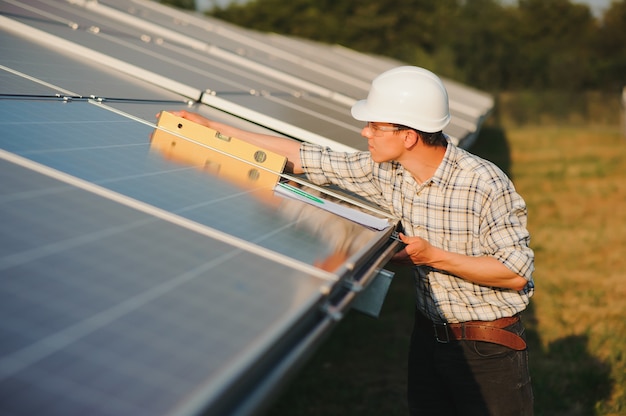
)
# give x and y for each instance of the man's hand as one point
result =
(416, 251)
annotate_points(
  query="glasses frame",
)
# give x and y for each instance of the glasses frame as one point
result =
(380, 130)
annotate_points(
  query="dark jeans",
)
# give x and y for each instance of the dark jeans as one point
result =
(467, 377)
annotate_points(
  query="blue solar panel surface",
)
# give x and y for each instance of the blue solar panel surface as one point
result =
(129, 280)
(108, 310)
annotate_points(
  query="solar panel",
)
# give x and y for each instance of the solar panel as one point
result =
(122, 267)
(107, 310)
(246, 70)
(145, 272)
(345, 75)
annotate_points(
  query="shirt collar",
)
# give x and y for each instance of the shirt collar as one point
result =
(444, 171)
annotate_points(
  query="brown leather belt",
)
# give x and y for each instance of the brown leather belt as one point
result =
(486, 331)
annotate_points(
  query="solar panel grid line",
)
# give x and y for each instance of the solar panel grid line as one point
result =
(252, 67)
(142, 24)
(178, 210)
(28, 194)
(101, 102)
(111, 398)
(47, 15)
(13, 363)
(34, 79)
(453, 101)
(349, 125)
(361, 66)
(73, 97)
(252, 71)
(125, 114)
(87, 53)
(76, 77)
(250, 404)
(462, 110)
(275, 124)
(132, 388)
(27, 256)
(252, 42)
(165, 215)
(91, 357)
(227, 66)
(318, 115)
(148, 52)
(83, 18)
(283, 78)
(368, 65)
(271, 122)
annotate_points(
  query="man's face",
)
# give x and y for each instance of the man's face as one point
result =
(383, 141)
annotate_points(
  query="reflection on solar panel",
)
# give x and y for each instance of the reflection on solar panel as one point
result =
(141, 271)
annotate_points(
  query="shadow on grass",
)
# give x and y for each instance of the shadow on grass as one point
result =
(567, 379)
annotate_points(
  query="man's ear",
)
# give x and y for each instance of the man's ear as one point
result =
(411, 138)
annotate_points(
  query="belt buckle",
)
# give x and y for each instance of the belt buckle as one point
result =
(445, 328)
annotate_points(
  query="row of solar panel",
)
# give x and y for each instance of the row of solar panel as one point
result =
(143, 276)
(136, 279)
(300, 89)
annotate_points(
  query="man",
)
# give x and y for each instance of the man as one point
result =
(466, 239)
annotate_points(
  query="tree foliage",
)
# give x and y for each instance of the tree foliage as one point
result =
(181, 4)
(493, 45)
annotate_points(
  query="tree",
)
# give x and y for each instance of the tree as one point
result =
(394, 28)
(534, 44)
(181, 4)
(554, 42)
(610, 44)
(484, 44)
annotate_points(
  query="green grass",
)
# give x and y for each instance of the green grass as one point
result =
(574, 182)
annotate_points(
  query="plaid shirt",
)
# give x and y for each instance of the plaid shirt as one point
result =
(469, 206)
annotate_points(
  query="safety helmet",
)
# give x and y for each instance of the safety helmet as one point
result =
(406, 95)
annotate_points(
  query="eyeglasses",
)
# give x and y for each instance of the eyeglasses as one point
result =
(378, 130)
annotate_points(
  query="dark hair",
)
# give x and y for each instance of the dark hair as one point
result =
(430, 139)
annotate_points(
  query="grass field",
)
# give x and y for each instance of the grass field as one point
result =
(574, 182)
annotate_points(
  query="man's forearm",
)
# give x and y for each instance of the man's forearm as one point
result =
(484, 270)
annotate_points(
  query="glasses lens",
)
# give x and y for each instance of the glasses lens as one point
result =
(380, 130)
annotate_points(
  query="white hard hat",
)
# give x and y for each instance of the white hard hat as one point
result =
(406, 95)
